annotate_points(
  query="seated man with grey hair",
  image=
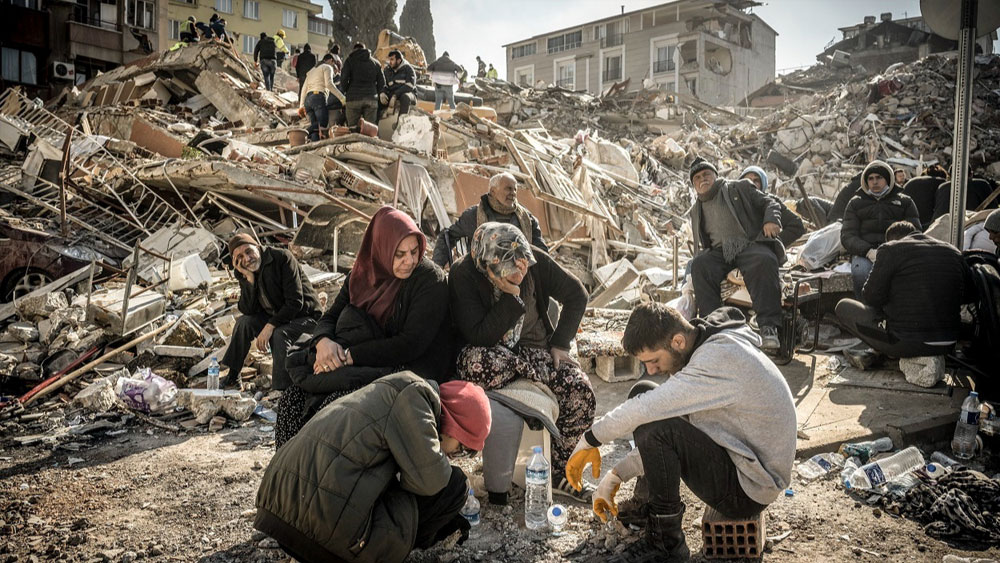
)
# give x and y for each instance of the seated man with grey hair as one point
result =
(497, 205)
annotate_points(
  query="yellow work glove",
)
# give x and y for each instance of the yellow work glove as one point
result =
(582, 455)
(604, 496)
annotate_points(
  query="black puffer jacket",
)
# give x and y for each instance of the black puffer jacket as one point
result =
(265, 49)
(923, 191)
(305, 63)
(280, 288)
(866, 219)
(401, 80)
(843, 198)
(361, 77)
(977, 192)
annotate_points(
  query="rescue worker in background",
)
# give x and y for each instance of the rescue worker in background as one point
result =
(305, 62)
(400, 83)
(189, 33)
(317, 86)
(264, 56)
(492, 73)
(279, 47)
(361, 80)
(481, 73)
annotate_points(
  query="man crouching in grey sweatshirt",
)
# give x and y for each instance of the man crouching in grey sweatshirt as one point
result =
(724, 422)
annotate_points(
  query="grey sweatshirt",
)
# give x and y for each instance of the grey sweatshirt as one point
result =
(733, 393)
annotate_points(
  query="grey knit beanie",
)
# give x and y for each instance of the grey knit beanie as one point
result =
(993, 222)
(700, 164)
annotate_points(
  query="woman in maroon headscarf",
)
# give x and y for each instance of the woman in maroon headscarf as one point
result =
(390, 315)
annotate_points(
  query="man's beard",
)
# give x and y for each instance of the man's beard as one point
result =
(252, 264)
(680, 359)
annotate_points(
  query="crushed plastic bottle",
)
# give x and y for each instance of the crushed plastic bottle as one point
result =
(865, 451)
(850, 466)
(470, 510)
(878, 473)
(819, 465)
(943, 459)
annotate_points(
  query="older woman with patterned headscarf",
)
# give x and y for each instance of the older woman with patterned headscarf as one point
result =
(499, 300)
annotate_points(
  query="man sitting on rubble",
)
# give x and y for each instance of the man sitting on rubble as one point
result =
(923, 191)
(316, 90)
(791, 224)
(724, 423)
(189, 31)
(498, 205)
(911, 301)
(875, 206)
(277, 302)
(369, 478)
(400, 83)
(977, 192)
(736, 226)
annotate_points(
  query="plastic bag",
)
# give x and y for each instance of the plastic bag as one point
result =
(146, 392)
(821, 247)
(685, 304)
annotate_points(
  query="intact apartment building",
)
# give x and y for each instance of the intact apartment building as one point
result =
(711, 49)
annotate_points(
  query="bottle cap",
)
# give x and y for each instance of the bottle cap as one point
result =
(471, 491)
(974, 394)
(537, 449)
(557, 510)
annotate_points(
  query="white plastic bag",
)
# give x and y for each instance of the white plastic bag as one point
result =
(821, 247)
(685, 304)
(146, 392)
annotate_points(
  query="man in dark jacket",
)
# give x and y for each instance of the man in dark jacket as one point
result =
(368, 478)
(791, 224)
(977, 191)
(917, 286)
(264, 56)
(303, 64)
(923, 191)
(877, 205)
(843, 198)
(361, 80)
(445, 75)
(736, 226)
(277, 302)
(400, 83)
(498, 205)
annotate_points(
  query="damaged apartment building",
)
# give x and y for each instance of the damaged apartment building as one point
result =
(714, 51)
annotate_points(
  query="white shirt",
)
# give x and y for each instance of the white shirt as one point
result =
(320, 79)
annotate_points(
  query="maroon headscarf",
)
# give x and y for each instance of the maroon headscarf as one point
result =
(373, 286)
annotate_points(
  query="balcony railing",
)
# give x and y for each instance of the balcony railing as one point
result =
(564, 47)
(611, 74)
(612, 40)
(663, 66)
(80, 15)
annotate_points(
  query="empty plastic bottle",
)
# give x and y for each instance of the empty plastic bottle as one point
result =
(942, 459)
(850, 466)
(557, 518)
(963, 445)
(536, 495)
(470, 511)
(878, 473)
(819, 465)
(866, 450)
(213, 375)
(936, 470)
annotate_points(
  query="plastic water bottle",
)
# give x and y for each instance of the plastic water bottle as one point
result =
(936, 470)
(878, 473)
(557, 518)
(941, 458)
(470, 511)
(963, 445)
(850, 466)
(213, 375)
(536, 495)
(819, 465)
(866, 450)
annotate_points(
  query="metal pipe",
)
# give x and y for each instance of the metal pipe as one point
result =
(963, 116)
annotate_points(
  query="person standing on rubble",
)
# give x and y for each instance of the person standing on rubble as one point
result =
(492, 73)
(264, 56)
(444, 75)
(281, 50)
(277, 302)
(910, 305)
(791, 224)
(189, 30)
(400, 84)
(734, 225)
(875, 206)
(305, 62)
(338, 63)
(481, 72)
(317, 87)
(500, 296)
(362, 80)
(923, 191)
(370, 478)
(723, 423)
(218, 26)
(391, 314)
(498, 205)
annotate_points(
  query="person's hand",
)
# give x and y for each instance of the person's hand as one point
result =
(383, 98)
(560, 356)
(264, 338)
(238, 264)
(302, 112)
(329, 356)
(582, 455)
(392, 102)
(870, 255)
(503, 285)
(772, 230)
(604, 496)
(348, 359)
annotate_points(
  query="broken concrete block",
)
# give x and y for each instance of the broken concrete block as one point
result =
(228, 101)
(613, 369)
(28, 371)
(106, 308)
(7, 365)
(23, 331)
(179, 351)
(239, 408)
(99, 396)
(216, 424)
(206, 404)
(41, 306)
(925, 371)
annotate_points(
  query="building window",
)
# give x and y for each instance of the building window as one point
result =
(139, 13)
(249, 43)
(566, 75)
(525, 76)
(612, 68)
(251, 9)
(320, 27)
(19, 66)
(565, 42)
(611, 34)
(32, 4)
(290, 18)
(174, 29)
(523, 50)
(224, 6)
(664, 61)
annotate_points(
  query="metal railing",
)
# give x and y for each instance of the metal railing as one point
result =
(81, 15)
(564, 47)
(613, 40)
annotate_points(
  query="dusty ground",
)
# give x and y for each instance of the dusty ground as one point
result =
(154, 495)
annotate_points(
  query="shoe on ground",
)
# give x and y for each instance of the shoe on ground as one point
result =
(566, 490)
(769, 339)
(662, 542)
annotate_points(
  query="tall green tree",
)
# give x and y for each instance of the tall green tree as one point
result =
(417, 22)
(357, 20)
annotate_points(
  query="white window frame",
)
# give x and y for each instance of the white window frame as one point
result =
(610, 51)
(249, 43)
(174, 29)
(564, 47)
(221, 5)
(285, 13)
(255, 13)
(525, 46)
(531, 82)
(555, 70)
(137, 12)
(665, 77)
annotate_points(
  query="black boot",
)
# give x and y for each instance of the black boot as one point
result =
(662, 542)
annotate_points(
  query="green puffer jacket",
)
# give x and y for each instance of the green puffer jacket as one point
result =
(331, 491)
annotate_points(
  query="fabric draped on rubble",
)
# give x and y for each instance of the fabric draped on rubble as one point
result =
(962, 505)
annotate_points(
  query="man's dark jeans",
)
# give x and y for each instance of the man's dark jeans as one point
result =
(863, 321)
(434, 511)
(267, 68)
(366, 108)
(673, 449)
(760, 271)
(319, 114)
(246, 330)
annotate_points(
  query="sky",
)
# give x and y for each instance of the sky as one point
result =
(466, 28)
